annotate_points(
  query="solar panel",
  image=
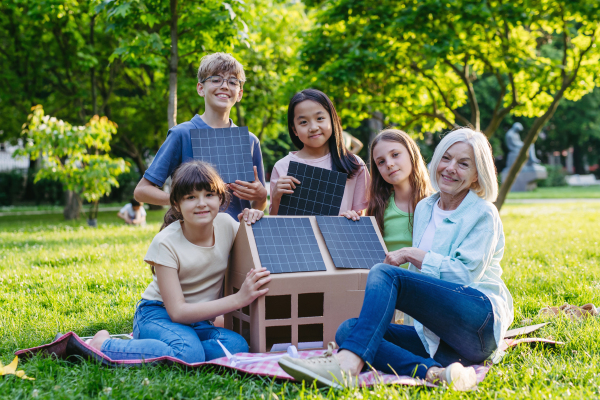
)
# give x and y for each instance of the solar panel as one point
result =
(320, 191)
(228, 149)
(352, 244)
(287, 245)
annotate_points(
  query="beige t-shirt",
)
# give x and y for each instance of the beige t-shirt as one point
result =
(355, 193)
(201, 269)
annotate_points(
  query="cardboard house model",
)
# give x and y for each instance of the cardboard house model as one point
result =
(319, 268)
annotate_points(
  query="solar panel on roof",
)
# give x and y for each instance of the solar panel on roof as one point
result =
(352, 244)
(228, 149)
(320, 191)
(287, 245)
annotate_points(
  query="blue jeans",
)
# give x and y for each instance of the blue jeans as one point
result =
(461, 316)
(155, 335)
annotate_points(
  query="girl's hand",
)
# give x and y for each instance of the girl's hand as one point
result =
(250, 215)
(285, 185)
(250, 288)
(351, 214)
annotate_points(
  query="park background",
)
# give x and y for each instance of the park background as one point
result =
(422, 66)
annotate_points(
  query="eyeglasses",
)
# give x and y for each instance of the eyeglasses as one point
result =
(218, 81)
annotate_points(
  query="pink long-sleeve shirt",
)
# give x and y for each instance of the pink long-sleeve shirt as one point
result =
(355, 193)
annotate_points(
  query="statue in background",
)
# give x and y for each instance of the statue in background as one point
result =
(532, 171)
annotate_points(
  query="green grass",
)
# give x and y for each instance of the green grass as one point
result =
(61, 276)
(562, 192)
(53, 209)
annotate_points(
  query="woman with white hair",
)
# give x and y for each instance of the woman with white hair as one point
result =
(452, 288)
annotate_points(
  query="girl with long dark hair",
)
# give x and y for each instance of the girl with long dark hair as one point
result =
(316, 130)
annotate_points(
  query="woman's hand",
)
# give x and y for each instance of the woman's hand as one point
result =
(396, 258)
(285, 185)
(250, 215)
(250, 289)
(412, 255)
(351, 214)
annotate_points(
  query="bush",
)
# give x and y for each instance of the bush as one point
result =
(556, 176)
(17, 187)
(12, 186)
(127, 183)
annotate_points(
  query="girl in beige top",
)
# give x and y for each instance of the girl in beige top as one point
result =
(188, 259)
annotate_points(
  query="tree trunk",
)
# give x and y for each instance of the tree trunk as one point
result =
(578, 158)
(72, 205)
(524, 152)
(240, 118)
(93, 69)
(375, 125)
(174, 60)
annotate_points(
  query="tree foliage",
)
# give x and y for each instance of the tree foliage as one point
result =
(76, 156)
(418, 60)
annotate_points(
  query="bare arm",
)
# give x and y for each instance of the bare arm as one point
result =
(124, 217)
(139, 218)
(356, 145)
(189, 313)
(412, 255)
(147, 192)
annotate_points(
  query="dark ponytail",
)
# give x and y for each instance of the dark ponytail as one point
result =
(342, 160)
(171, 216)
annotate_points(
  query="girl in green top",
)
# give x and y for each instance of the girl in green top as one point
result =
(399, 180)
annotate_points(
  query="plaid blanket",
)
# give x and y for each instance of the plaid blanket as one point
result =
(71, 345)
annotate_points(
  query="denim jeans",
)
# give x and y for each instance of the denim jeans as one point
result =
(461, 316)
(155, 335)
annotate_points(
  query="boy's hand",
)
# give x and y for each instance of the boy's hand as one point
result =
(250, 288)
(250, 215)
(351, 214)
(285, 185)
(252, 191)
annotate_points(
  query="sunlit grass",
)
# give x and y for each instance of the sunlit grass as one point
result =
(57, 276)
(562, 192)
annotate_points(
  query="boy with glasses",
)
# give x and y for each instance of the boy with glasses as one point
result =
(220, 81)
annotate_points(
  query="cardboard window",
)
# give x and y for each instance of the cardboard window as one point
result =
(246, 331)
(310, 333)
(278, 307)
(310, 305)
(278, 335)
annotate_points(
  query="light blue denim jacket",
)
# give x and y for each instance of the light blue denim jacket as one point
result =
(467, 248)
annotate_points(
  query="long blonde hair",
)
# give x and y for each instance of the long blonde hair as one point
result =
(380, 191)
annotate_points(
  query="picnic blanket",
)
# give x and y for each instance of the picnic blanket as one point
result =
(71, 345)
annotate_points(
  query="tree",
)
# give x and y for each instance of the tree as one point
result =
(159, 34)
(77, 156)
(576, 124)
(275, 31)
(418, 60)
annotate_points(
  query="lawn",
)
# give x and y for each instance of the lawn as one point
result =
(562, 192)
(58, 276)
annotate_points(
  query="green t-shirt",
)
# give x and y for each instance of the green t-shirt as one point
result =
(396, 228)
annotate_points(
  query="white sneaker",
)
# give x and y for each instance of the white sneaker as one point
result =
(460, 378)
(324, 370)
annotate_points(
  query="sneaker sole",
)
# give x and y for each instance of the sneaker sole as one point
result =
(302, 374)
